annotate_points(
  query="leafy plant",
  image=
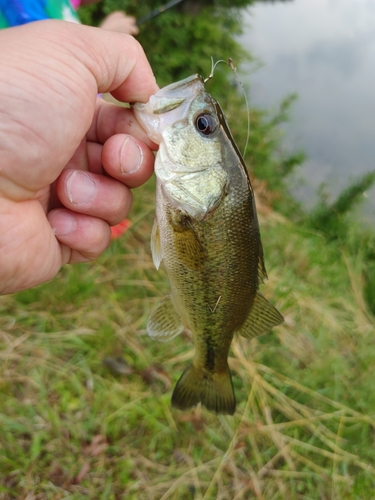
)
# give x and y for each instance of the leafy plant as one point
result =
(332, 219)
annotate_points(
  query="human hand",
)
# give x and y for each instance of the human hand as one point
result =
(119, 21)
(67, 158)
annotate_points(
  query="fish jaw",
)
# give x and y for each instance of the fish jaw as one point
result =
(166, 105)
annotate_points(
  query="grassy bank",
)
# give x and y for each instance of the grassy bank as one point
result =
(73, 428)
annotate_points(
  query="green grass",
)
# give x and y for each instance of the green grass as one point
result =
(304, 427)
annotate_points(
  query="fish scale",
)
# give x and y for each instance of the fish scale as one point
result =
(207, 235)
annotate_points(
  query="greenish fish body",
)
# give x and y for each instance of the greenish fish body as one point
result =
(206, 232)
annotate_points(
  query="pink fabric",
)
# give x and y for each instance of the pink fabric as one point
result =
(75, 3)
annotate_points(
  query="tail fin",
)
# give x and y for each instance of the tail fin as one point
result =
(213, 390)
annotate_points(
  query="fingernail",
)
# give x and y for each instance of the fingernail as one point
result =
(80, 188)
(131, 156)
(63, 223)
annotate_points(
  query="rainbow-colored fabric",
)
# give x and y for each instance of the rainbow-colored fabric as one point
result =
(16, 12)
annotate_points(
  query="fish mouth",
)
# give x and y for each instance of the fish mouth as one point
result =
(158, 112)
(172, 96)
(181, 85)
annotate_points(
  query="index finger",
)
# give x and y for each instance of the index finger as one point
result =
(110, 119)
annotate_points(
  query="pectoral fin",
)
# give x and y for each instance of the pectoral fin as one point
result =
(262, 317)
(155, 245)
(164, 322)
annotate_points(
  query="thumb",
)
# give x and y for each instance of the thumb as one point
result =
(116, 61)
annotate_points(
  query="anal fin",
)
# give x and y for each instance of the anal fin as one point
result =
(164, 322)
(263, 316)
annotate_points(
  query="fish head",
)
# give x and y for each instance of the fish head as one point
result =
(183, 119)
(173, 106)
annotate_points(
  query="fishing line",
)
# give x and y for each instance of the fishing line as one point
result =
(230, 63)
(213, 66)
(234, 69)
(157, 11)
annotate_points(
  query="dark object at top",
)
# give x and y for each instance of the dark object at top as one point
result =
(158, 11)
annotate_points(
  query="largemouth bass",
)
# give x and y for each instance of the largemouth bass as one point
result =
(206, 232)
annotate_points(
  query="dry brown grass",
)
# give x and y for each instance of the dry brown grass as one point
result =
(304, 426)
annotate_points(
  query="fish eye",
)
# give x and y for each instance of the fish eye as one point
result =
(205, 124)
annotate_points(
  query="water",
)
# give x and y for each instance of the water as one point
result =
(324, 50)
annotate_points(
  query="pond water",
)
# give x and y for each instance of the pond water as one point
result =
(323, 50)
